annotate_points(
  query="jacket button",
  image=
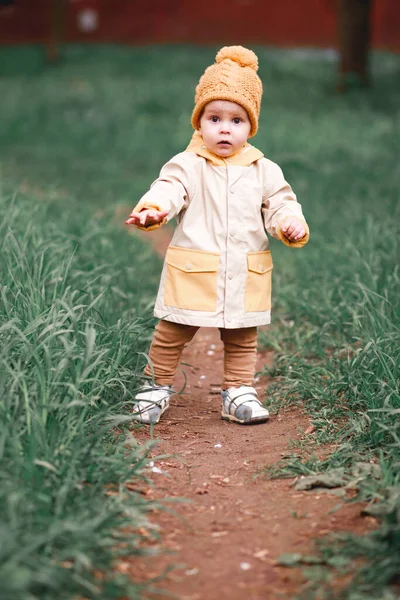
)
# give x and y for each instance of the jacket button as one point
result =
(262, 268)
(189, 267)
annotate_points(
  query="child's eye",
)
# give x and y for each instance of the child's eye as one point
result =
(214, 119)
(237, 120)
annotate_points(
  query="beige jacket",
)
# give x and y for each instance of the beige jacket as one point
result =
(218, 267)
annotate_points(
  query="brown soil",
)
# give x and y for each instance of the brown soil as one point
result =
(226, 541)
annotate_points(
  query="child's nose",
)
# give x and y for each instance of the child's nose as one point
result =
(225, 127)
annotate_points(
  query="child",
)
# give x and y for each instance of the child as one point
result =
(217, 273)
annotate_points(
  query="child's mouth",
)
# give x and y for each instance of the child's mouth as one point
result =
(224, 143)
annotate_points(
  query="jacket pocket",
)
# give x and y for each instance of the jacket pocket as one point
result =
(191, 279)
(257, 295)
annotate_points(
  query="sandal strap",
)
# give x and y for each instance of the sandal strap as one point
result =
(240, 391)
(164, 392)
(241, 396)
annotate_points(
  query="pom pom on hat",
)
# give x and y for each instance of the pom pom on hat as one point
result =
(242, 56)
(233, 77)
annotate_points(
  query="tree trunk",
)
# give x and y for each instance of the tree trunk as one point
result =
(57, 11)
(354, 29)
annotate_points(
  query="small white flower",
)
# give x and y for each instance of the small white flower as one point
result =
(157, 470)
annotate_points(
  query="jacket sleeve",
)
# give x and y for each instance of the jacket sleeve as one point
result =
(169, 192)
(280, 203)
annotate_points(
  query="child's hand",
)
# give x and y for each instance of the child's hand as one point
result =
(293, 229)
(146, 217)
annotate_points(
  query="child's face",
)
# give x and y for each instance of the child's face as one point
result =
(225, 127)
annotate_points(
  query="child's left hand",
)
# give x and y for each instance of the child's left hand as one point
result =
(293, 229)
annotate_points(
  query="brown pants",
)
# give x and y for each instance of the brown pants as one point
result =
(240, 352)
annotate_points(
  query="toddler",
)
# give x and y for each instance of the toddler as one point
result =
(226, 196)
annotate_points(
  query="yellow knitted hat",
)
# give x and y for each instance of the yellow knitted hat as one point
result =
(233, 77)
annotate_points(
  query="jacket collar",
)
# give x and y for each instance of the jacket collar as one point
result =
(244, 157)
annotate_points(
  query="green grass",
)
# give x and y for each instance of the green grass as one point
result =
(80, 140)
(336, 323)
(74, 320)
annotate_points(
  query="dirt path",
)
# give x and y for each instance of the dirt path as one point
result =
(225, 542)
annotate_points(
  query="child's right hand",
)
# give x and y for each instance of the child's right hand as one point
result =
(146, 217)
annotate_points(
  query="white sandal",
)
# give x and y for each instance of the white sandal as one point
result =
(151, 403)
(241, 405)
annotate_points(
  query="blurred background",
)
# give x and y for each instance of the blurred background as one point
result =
(284, 23)
(350, 25)
(122, 60)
